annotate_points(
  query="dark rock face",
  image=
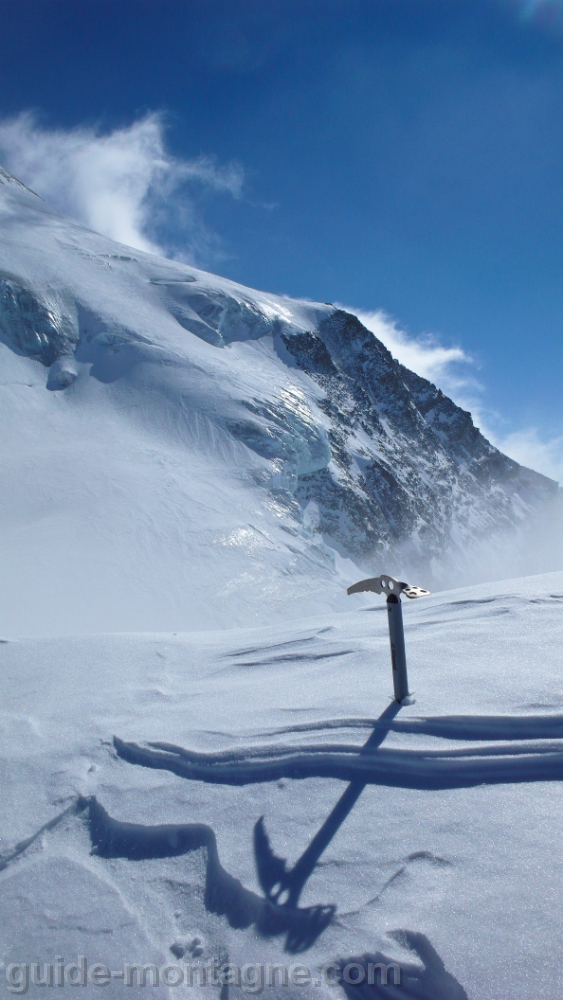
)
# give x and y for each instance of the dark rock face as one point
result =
(409, 469)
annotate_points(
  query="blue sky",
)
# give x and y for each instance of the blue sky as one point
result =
(395, 155)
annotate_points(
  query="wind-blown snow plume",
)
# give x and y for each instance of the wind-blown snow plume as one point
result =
(120, 183)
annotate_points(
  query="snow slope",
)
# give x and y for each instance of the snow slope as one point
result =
(182, 452)
(449, 863)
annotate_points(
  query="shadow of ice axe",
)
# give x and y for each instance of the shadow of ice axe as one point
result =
(282, 886)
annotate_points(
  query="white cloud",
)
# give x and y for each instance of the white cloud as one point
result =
(449, 369)
(122, 183)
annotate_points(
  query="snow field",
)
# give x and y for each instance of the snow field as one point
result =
(476, 870)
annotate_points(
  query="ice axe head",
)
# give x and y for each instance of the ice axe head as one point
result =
(387, 585)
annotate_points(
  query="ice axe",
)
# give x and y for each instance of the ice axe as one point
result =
(393, 589)
(283, 886)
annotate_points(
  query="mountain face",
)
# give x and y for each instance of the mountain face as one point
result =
(408, 469)
(181, 451)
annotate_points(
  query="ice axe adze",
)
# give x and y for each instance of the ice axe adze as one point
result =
(284, 887)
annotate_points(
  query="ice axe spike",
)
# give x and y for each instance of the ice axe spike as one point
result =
(393, 589)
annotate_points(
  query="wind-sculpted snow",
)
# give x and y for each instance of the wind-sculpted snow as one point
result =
(10, 856)
(453, 727)
(225, 896)
(423, 769)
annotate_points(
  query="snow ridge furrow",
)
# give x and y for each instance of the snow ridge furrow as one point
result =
(450, 727)
(396, 768)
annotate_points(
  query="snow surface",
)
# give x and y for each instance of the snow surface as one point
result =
(476, 869)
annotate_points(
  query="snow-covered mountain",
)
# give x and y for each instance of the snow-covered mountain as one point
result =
(179, 451)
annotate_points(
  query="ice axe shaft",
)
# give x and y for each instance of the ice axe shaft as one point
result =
(397, 642)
